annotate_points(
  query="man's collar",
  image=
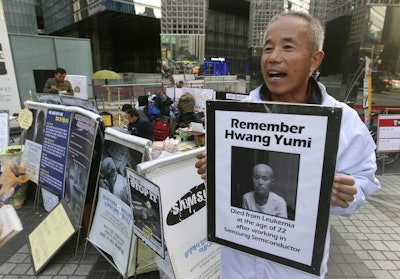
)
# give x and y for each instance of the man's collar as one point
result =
(314, 98)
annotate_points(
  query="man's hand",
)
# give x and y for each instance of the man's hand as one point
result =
(343, 190)
(54, 88)
(201, 164)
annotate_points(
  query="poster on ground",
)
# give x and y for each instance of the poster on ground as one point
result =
(51, 235)
(270, 170)
(146, 207)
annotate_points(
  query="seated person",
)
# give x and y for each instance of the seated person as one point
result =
(139, 126)
(58, 84)
(186, 112)
(125, 108)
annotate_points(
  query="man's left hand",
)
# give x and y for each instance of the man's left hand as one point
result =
(343, 190)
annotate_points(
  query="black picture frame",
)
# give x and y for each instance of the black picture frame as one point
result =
(224, 168)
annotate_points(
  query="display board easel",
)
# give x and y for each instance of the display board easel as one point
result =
(110, 221)
(183, 202)
(67, 136)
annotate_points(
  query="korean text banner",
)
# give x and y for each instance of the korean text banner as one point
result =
(54, 152)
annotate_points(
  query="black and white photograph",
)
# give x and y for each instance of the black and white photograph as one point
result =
(113, 177)
(265, 181)
(146, 207)
(36, 131)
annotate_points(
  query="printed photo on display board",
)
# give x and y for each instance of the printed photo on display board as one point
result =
(146, 206)
(36, 130)
(79, 159)
(111, 230)
(270, 170)
(113, 177)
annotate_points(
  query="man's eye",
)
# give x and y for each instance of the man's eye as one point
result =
(267, 49)
(287, 47)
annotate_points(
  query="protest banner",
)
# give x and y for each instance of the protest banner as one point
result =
(79, 160)
(146, 207)
(183, 203)
(114, 238)
(112, 228)
(299, 143)
(54, 134)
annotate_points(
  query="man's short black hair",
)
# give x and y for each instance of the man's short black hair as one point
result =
(126, 107)
(133, 112)
(61, 71)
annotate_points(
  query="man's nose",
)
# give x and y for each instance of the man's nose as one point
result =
(275, 56)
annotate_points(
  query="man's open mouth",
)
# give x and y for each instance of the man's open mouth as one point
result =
(276, 75)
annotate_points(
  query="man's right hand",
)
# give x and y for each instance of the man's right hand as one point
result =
(201, 164)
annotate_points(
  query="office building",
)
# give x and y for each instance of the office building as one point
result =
(135, 36)
(20, 16)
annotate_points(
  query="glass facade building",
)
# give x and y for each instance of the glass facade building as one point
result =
(363, 31)
(20, 16)
(134, 36)
(124, 35)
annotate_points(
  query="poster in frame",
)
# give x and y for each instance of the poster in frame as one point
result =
(297, 144)
(147, 212)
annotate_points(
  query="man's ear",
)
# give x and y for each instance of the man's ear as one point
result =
(316, 60)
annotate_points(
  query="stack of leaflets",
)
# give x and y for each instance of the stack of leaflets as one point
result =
(10, 224)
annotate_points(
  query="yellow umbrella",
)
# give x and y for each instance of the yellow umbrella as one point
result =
(106, 75)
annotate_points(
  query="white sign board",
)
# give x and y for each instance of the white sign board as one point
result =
(388, 133)
(9, 95)
(79, 85)
(184, 217)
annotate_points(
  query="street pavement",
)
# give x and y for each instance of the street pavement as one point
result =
(366, 245)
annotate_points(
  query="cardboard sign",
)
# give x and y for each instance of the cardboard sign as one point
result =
(50, 235)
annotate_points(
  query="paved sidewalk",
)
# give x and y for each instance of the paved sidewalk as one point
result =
(367, 245)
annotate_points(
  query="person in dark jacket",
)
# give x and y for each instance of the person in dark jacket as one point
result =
(138, 126)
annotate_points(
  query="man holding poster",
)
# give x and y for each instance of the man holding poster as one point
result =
(292, 51)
